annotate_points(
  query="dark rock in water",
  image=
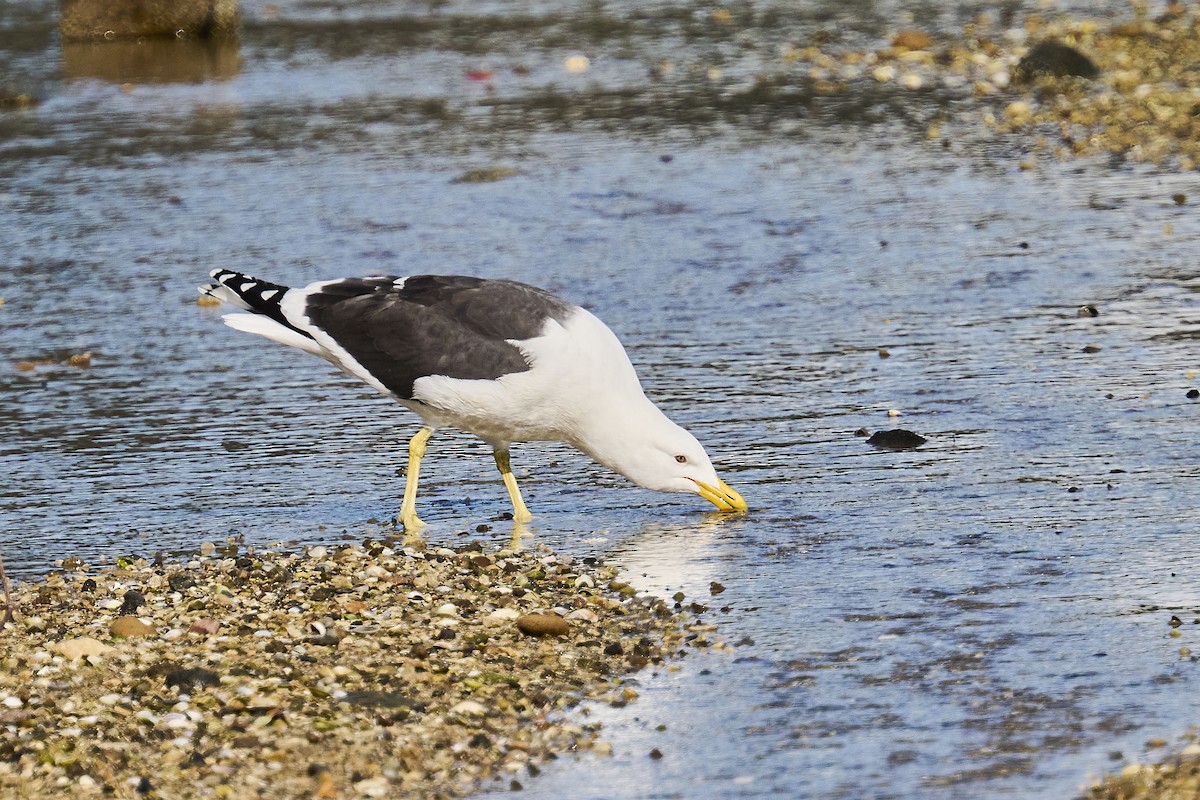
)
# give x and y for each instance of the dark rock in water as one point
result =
(189, 679)
(1088, 311)
(897, 439)
(1193, 394)
(1057, 59)
(132, 601)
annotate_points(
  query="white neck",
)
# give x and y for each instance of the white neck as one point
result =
(613, 432)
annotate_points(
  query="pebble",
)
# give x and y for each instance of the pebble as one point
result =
(1055, 59)
(912, 40)
(205, 626)
(543, 625)
(131, 602)
(373, 787)
(130, 627)
(82, 647)
(469, 708)
(577, 64)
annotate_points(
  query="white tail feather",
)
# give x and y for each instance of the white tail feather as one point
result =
(265, 326)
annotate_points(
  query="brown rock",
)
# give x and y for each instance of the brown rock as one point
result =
(119, 19)
(206, 626)
(912, 40)
(130, 627)
(543, 625)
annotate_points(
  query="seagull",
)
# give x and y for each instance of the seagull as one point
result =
(502, 360)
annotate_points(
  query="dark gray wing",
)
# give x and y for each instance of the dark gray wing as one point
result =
(432, 325)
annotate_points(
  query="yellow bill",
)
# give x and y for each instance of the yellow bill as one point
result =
(723, 496)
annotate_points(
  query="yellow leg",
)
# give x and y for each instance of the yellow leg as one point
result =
(408, 508)
(520, 512)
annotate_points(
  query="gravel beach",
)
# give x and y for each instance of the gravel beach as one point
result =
(355, 671)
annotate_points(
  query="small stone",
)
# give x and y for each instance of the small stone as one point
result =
(1180, 198)
(83, 647)
(576, 64)
(208, 627)
(129, 627)
(543, 625)
(469, 708)
(1091, 348)
(884, 74)
(656, 754)
(912, 40)
(12, 701)
(131, 602)
(181, 583)
(187, 680)
(715, 588)
(372, 787)
(1088, 311)
(324, 786)
(1192, 394)
(207, 549)
(1057, 59)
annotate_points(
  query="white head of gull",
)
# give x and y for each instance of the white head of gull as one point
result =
(503, 360)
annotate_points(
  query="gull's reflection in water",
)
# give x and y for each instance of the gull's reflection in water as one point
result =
(678, 556)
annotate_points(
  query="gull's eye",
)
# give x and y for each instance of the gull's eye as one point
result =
(681, 459)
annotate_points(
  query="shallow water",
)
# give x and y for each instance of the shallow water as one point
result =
(985, 616)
